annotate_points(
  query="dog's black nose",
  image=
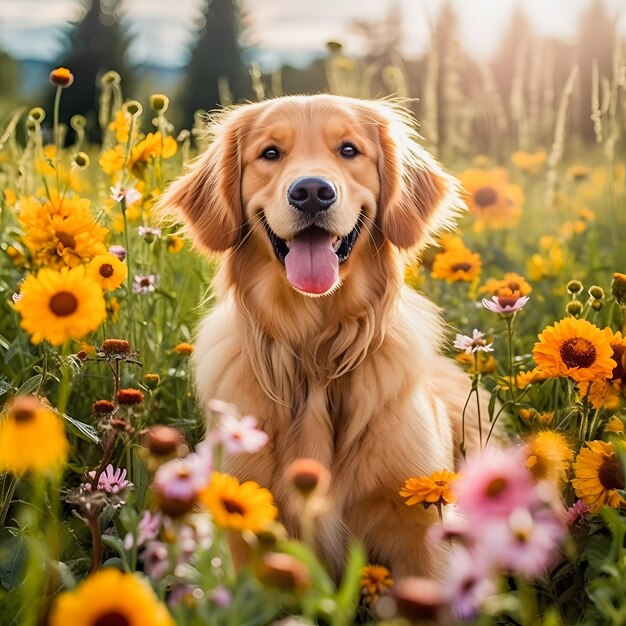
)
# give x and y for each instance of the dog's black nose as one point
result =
(311, 194)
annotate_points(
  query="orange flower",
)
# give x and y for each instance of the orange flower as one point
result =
(61, 77)
(433, 489)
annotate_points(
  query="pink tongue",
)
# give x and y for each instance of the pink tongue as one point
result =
(311, 263)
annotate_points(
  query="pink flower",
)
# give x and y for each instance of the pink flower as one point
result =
(237, 434)
(475, 343)
(182, 479)
(576, 512)
(155, 559)
(506, 301)
(112, 480)
(221, 596)
(525, 543)
(147, 530)
(494, 485)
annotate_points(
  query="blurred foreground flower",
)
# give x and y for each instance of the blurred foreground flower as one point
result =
(32, 438)
(237, 434)
(375, 582)
(110, 598)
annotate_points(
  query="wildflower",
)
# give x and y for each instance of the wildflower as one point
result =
(506, 302)
(108, 271)
(574, 348)
(118, 251)
(283, 572)
(147, 530)
(485, 362)
(151, 380)
(246, 506)
(221, 596)
(129, 396)
(576, 512)
(473, 344)
(131, 195)
(184, 349)
(112, 160)
(494, 485)
(58, 306)
(149, 234)
(614, 425)
(433, 489)
(164, 442)
(471, 582)
(120, 125)
(152, 146)
(81, 160)
(159, 102)
(457, 265)
(102, 407)
(549, 455)
(548, 264)
(420, 600)
(178, 483)
(511, 281)
(530, 162)
(578, 173)
(61, 77)
(236, 434)
(155, 559)
(375, 582)
(32, 438)
(574, 308)
(110, 597)
(174, 243)
(112, 481)
(145, 283)
(115, 346)
(308, 477)
(598, 476)
(113, 308)
(492, 199)
(574, 287)
(618, 288)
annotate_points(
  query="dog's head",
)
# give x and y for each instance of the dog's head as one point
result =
(310, 177)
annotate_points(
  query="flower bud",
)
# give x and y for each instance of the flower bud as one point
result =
(159, 102)
(111, 78)
(81, 159)
(61, 77)
(151, 380)
(596, 292)
(308, 477)
(574, 286)
(284, 572)
(596, 305)
(419, 599)
(118, 251)
(133, 107)
(618, 288)
(37, 114)
(78, 122)
(574, 308)
(162, 441)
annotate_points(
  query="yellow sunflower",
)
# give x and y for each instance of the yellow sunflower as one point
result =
(152, 146)
(60, 232)
(58, 306)
(548, 455)
(110, 598)
(598, 475)
(576, 349)
(457, 265)
(492, 199)
(433, 489)
(511, 281)
(120, 125)
(32, 438)
(245, 506)
(529, 162)
(548, 264)
(108, 271)
(112, 161)
(375, 582)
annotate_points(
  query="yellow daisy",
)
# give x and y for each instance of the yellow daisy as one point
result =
(245, 506)
(598, 475)
(58, 306)
(32, 438)
(548, 455)
(457, 265)
(108, 271)
(433, 489)
(576, 349)
(511, 281)
(492, 199)
(112, 161)
(152, 146)
(120, 125)
(110, 598)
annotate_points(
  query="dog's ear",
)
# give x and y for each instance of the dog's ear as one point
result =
(208, 197)
(417, 198)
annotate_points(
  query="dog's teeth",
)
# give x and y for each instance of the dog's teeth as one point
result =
(288, 244)
(337, 244)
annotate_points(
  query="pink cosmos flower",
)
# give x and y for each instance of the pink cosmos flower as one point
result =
(112, 480)
(576, 512)
(147, 530)
(475, 343)
(237, 434)
(182, 479)
(494, 485)
(506, 301)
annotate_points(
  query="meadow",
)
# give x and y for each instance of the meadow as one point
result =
(113, 509)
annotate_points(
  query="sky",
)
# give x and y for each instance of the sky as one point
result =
(285, 29)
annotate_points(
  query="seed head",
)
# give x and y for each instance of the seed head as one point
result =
(574, 286)
(574, 308)
(159, 102)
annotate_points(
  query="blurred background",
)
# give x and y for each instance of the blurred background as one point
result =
(483, 76)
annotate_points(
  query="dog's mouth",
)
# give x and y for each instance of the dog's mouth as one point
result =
(312, 258)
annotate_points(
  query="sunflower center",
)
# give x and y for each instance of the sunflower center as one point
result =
(496, 487)
(461, 267)
(23, 415)
(113, 618)
(440, 483)
(66, 239)
(63, 303)
(578, 352)
(610, 473)
(485, 196)
(106, 270)
(233, 507)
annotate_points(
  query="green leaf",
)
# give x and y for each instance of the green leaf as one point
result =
(28, 386)
(5, 385)
(348, 594)
(85, 431)
(615, 524)
(12, 559)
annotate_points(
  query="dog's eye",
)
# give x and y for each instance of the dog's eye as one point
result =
(271, 153)
(348, 150)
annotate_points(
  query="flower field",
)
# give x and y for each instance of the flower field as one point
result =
(114, 509)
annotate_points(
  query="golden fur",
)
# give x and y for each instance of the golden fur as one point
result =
(353, 379)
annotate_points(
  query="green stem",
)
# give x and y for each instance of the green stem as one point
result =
(8, 483)
(129, 277)
(57, 135)
(64, 388)
(509, 326)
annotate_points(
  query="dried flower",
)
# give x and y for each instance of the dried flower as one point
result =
(129, 396)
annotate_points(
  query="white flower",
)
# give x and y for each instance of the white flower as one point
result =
(131, 195)
(476, 343)
(237, 434)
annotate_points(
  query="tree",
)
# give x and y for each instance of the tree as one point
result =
(96, 44)
(215, 73)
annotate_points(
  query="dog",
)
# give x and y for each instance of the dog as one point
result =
(313, 203)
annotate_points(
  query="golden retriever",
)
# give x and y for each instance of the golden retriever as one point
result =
(314, 201)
